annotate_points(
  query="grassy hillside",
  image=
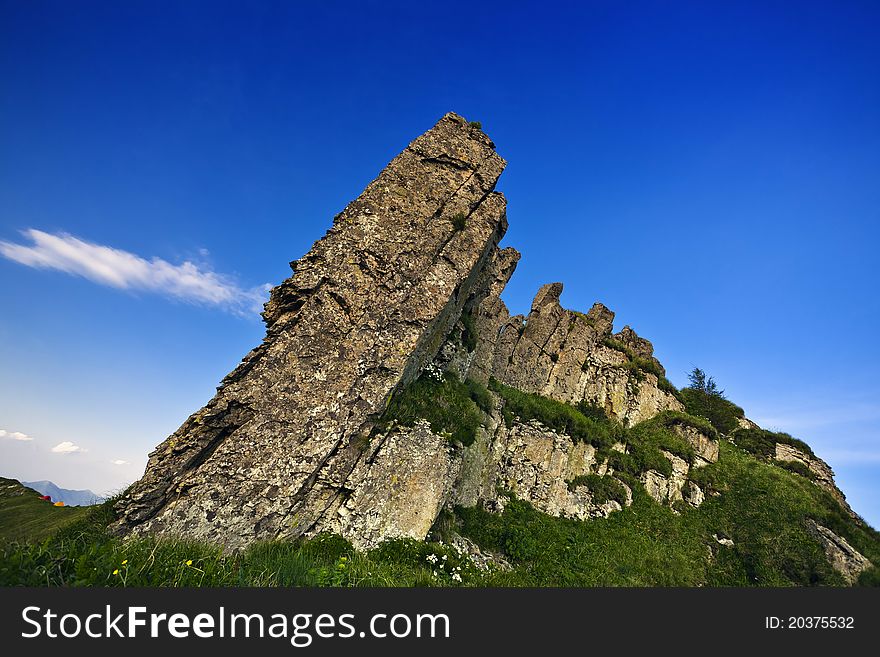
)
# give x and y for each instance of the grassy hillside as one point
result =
(24, 516)
(762, 508)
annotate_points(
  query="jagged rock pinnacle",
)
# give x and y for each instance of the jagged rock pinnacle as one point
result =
(369, 305)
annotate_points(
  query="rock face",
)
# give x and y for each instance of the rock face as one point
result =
(537, 465)
(365, 309)
(410, 275)
(842, 556)
(397, 470)
(569, 356)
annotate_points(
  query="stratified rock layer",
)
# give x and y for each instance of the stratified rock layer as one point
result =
(365, 309)
(569, 356)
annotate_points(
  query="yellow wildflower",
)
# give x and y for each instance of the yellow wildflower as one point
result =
(116, 572)
(189, 562)
(124, 561)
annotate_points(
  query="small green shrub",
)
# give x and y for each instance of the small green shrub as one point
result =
(755, 441)
(870, 577)
(671, 418)
(722, 413)
(640, 458)
(586, 318)
(786, 438)
(602, 489)
(595, 412)
(617, 345)
(703, 398)
(459, 221)
(480, 396)
(469, 331)
(666, 385)
(634, 371)
(476, 125)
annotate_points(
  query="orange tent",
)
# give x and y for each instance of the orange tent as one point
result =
(59, 503)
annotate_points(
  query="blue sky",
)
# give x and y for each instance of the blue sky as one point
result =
(707, 170)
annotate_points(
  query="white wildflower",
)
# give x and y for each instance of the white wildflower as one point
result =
(433, 371)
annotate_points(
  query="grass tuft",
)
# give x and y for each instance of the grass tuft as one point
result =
(555, 415)
(459, 221)
(451, 407)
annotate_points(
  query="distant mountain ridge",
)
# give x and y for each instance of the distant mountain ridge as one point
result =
(69, 497)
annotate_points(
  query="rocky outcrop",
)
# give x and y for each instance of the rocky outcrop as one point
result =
(667, 489)
(537, 465)
(410, 276)
(372, 302)
(746, 423)
(822, 472)
(842, 556)
(570, 356)
(398, 469)
(705, 447)
(409, 271)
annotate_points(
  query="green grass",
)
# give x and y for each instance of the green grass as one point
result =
(645, 440)
(761, 507)
(763, 443)
(24, 516)
(797, 467)
(451, 407)
(671, 418)
(85, 554)
(469, 331)
(555, 415)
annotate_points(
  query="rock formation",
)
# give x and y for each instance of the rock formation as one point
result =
(408, 280)
(364, 311)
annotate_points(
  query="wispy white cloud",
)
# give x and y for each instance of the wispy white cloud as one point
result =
(14, 435)
(120, 269)
(119, 462)
(67, 447)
